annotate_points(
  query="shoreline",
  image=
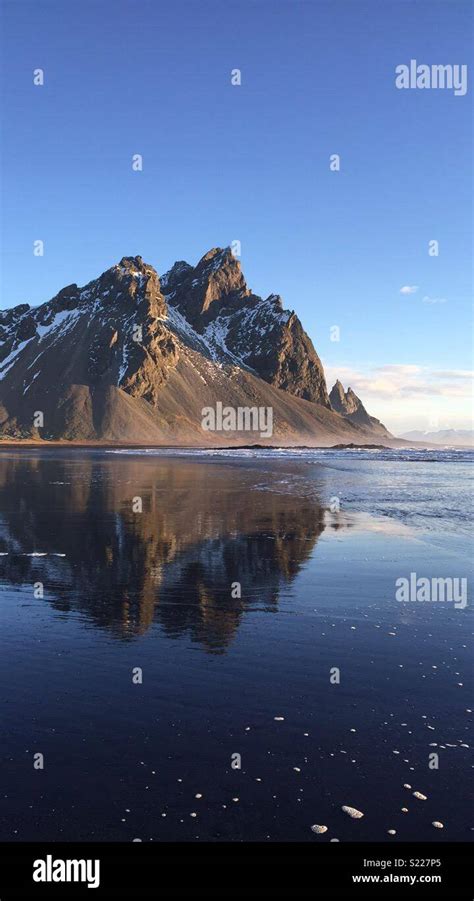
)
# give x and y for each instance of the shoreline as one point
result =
(14, 444)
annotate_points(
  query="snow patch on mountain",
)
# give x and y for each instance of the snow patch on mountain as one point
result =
(10, 361)
(62, 318)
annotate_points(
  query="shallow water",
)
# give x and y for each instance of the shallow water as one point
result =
(317, 541)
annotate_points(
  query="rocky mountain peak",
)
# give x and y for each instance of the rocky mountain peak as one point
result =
(215, 253)
(338, 397)
(217, 258)
(129, 281)
(353, 403)
(202, 290)
(351, 407)
(345, 402)
(8, 317)
(134, 263)
(170, 280)
(276, 300)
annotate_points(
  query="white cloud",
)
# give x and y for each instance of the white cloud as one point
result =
(428, 299)
(409, 289)
(399, 368)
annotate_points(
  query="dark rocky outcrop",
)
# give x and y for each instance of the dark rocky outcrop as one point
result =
(347, 404)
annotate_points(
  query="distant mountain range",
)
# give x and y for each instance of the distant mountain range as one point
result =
(448, 437)
(134, 358)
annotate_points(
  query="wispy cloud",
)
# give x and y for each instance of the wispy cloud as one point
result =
(454, 373)
(399, 368)
(428, 299)
(409, 289)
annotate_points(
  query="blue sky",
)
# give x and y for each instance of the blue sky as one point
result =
(251, 163)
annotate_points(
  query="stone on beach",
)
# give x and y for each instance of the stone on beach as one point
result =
(352, 812)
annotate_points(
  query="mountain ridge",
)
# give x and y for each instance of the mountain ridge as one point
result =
(132, 356)
(443, 437)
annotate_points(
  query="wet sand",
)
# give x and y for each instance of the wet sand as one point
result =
(222, 674)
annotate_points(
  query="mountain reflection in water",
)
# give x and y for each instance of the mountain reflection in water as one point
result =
(203, 526)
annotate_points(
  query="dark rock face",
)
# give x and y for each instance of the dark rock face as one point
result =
(130, 357)
(351, 407)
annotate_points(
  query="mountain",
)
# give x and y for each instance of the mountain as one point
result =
(134, 358)
(351, 407)
(449, 437)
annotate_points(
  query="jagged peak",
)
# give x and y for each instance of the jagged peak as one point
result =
(180, 266)
(130, 278)
(13, 313)
(217, 258)
(134, 264)
(338, 390)
(276, 300)
(212, 254)
(177, 273)
(345, 402)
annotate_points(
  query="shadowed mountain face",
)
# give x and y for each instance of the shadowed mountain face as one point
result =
(352, 409)
(203, 527)
(132, 358)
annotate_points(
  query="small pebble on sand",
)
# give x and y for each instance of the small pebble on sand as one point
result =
(352, 812)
